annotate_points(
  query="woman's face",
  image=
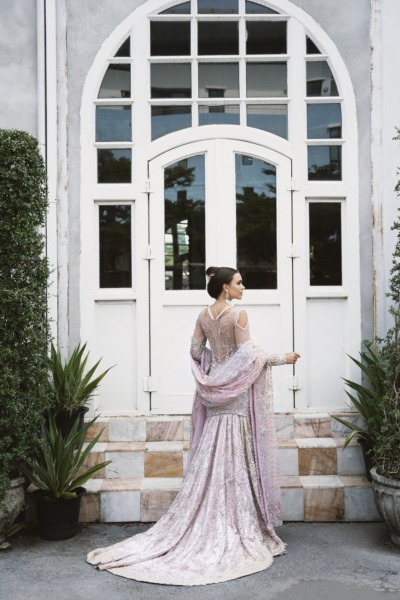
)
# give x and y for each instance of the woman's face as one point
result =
(236, 287)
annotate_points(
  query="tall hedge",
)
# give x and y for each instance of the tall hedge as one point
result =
(24, 328)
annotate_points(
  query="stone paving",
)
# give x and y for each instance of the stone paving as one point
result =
(328, 561)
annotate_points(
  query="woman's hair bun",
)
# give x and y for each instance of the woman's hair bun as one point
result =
(217, 276)
(211, 271)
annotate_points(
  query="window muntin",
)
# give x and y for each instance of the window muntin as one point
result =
(256, 231)
(325, 243)
(115, 246)
(184, 225)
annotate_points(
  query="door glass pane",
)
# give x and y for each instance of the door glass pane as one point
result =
(171, 80)
(218, 38)
(325, 243)
(116, 82)
(114, 166)
(170, 38)
(115, 246)
(265, 37)
(185, 249)
(218, 80)
(219, 114)
(178, 9)
(320, 81)
(311, 47)
(266, 80)
(269, 117)
(253, 8)
(219, 7)
(113, 124)
(165, 119)
(324, 163)
(124, 49)
(324, 121)
(256, 222)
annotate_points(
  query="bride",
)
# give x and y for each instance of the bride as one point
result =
(221, 525)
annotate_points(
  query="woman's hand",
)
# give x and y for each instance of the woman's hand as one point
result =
(291, 358)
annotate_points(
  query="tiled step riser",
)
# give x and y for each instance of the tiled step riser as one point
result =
(306, 499)
(305, 456)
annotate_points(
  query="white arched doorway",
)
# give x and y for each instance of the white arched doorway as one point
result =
(286, 108)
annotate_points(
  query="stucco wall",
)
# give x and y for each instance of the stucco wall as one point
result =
(18, 80)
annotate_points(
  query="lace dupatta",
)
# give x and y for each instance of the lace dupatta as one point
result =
(248, 368)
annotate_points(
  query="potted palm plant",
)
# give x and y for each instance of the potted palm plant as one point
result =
(71, 386)
(386, 471)
(365, 399)
(59, 473)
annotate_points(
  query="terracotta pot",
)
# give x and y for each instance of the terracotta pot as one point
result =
(387, 500)
(12, 506)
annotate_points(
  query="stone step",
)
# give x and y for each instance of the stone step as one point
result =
(177, 427)
(304, 498)
(167, 459)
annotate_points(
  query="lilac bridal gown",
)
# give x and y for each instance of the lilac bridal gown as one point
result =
(221, 525)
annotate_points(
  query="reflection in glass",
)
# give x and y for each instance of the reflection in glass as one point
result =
(116, 82)
(218, 37)
(311, 47)
(269, 117)
(253, 8)
(115, 246)
(169, 38)
(113, 124)
(219, 114)
(320, 81)
(178, 9)
(325, 243)
(124, 49)
(114, 166)
(218, 80)
(324, 163)
(171, 80)
(324, 121)
(185, 249)
(266, 37)
(266, 80)
(256, 222)
(219, 7)
(165, 119)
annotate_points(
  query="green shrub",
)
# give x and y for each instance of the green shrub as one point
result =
(24, 328)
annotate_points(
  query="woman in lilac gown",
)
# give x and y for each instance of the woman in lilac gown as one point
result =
(221, 525)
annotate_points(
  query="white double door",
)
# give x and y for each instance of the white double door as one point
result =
(224, 203)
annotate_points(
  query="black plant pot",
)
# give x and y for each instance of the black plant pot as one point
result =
(368, 460)
(66, 421)
(58, 519)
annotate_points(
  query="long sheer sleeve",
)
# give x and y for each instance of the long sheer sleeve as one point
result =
(242, 335)
(198, 341)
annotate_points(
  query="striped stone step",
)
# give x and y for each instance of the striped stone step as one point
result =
(304, 498)
(167, 459)
(177, 428)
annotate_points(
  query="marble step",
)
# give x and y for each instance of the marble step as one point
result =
(304, 498)
(166, 459)
(155, 428)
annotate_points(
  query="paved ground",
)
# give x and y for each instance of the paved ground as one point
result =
(325, 561)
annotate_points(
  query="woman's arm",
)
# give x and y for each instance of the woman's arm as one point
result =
(242, 335)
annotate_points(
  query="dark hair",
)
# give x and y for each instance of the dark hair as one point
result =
(218, 276)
